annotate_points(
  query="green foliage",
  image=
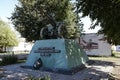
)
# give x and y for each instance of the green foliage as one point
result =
(105, 13)
(7, 36)
(44, 78)
(9, 60)
(31, 15)
(72, 27)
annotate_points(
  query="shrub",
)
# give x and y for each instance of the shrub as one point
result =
(11, 59)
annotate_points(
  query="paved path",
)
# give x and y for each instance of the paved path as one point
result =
(98, 71)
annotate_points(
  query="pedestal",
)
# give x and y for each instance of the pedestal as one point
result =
(57, 55)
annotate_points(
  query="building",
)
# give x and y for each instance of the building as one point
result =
(95, 44)
(23, 46)
(116, 48)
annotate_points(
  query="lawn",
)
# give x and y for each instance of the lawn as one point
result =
(115, 63)
(107, 58)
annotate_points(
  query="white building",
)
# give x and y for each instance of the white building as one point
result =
(95, 44)
(116, 48)
(22, 46)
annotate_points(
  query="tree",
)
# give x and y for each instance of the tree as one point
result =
(31, 15)
(7, 37)
(105, 13)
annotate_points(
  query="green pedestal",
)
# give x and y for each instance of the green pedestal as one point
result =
(57, 54)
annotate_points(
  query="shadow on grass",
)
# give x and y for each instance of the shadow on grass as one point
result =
(102, 63)
(95, 73)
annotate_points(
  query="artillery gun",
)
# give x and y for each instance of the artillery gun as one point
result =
(52, 30)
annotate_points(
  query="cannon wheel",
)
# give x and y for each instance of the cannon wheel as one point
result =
(61, 31)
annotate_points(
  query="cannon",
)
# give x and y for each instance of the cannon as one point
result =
(49, 32)
(53, 30)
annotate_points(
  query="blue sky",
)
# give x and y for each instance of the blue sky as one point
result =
(7, 7)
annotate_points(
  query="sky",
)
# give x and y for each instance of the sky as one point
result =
(7, 7)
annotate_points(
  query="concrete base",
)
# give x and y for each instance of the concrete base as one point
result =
(57, 55)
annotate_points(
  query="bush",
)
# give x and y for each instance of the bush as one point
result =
(9, 60)
(2, 52)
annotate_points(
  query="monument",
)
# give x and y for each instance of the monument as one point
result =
(56, 54)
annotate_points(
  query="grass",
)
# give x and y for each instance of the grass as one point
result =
(107, 58)
(47, 77)
(21, 61)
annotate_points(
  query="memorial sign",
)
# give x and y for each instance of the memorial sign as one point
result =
(46, 51)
